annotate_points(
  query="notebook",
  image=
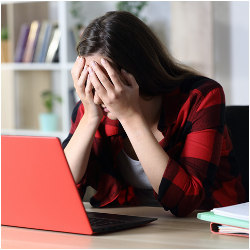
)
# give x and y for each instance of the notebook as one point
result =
(239, 211)
(229, 220)
(38, 191)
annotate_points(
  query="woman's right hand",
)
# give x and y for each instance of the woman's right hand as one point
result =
(79, 74)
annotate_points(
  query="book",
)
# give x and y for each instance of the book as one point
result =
(239, 211)
(53, 46)
(230, 220)
(40, 41)
(229, 230)
(31, 42)
(41, 55)
(21, 42)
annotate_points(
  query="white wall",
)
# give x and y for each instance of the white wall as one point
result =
(229, 38)
(158, 18)
(231, 50)
(191, 35)
(240, 52)
(157, 14)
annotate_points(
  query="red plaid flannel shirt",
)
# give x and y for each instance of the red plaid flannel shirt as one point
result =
(201, 172)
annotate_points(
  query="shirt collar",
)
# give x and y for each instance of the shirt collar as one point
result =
(171, 104)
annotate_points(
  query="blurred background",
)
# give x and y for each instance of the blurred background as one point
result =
(38, 42)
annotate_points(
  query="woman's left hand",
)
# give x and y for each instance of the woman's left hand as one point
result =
(120, 94)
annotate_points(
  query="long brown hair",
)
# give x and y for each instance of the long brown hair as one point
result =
(131, 45)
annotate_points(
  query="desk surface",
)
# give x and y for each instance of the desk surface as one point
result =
(167, 232)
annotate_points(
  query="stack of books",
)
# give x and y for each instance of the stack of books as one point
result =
(38, 42)
(230, 220)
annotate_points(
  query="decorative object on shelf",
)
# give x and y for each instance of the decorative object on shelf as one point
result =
(78, 28)
(4, 45)
(49, 121)
(134, 7)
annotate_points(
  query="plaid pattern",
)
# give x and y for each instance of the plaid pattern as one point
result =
(201, 173)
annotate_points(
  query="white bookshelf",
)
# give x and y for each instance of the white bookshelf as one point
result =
(16, 75)
(30, 132)
(36, 66)
(59, 73)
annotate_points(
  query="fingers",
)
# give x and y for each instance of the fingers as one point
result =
(82, 79)
(83, 76)
(114, 76)
(129, 78)
(88, 89)
(96, 83)
(77, 68)
(98, 74)
(79, 83)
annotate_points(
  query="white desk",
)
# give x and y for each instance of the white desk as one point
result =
(167, 232)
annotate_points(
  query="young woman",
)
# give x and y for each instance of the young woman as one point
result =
(147, 130)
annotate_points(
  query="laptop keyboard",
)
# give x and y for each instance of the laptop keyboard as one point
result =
(95, 222)
(103, 222)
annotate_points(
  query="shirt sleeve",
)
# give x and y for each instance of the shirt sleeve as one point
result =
(75, 119)
(188, 178)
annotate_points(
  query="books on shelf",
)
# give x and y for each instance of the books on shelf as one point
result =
(38, 42)
(31, 42)
(230, 220)
(53, 46)
(43, 41)
(21, 43)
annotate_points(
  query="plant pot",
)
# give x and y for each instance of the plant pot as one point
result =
(48, 122)
(5, 46)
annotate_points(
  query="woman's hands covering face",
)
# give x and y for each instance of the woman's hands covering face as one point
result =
(81, 77)
(119, 92)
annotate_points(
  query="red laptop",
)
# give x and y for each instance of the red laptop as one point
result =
(38, 190)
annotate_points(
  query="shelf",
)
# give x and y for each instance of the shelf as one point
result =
(27, 132)
(36, 66)
(18, 78)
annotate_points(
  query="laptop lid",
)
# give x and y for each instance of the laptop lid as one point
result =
(37, 187)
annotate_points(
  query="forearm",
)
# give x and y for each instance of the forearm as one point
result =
(78, 149)
(149, 152)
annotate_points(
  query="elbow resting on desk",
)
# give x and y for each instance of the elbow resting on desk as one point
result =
(181, 202)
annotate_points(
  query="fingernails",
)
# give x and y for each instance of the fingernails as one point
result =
(80, 59)
(93, 63)
(103, 61)
(90, 70)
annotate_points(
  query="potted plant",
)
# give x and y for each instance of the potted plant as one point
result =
(134, 7)
(49, 121)
(78, 27)
(4, 45)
